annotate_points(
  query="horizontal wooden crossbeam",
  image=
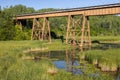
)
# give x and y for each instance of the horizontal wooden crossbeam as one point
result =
(88, 11)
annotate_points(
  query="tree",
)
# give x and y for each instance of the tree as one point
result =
(6, 27)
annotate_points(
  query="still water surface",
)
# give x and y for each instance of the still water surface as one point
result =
(69, 61)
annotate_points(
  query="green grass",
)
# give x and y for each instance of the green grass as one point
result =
(57, 45)
(13, 67)
(106, 38)
(108, 59)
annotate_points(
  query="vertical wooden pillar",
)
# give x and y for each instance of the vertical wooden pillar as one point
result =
(88, 30)
(43, 28)
(46, 29)
(68, 28)
(36, 29)
(82, 35)
(73, 30)
(85, 36)
(49, 34)
(72, 33)
(33, 29)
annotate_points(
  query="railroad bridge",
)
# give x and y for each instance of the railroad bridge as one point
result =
(41, 30)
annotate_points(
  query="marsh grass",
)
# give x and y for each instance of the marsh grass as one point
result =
(29, 70)
(13, 67)
(107, 60)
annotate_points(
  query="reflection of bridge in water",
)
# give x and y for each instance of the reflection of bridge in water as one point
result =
(67, 59)
(41, 23)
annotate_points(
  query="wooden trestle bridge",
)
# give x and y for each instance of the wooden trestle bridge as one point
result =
(42, 30)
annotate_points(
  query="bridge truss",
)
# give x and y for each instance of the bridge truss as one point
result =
(41, 23)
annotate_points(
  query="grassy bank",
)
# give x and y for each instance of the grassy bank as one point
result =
(107, 60)
(12, 67)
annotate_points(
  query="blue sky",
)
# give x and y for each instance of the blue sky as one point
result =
(62, 4)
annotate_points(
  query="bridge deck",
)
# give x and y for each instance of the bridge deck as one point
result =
(88, 11)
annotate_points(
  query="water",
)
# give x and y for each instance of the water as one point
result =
(66, 60)
(69, 61)
(69, 67)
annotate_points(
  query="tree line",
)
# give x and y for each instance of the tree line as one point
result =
(100, 25)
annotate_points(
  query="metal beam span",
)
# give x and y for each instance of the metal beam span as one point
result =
(88, 11)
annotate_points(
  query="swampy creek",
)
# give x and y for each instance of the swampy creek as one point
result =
(70, 61)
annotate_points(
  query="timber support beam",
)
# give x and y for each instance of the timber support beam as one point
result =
(36, 29)
(41, 29)
(72, 32)
(85, 41)
(46, 29)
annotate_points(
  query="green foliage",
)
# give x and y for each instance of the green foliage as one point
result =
(100, 25)
(18, 9)
(8, 31)
(59, 25)
(22, 34)
(6, 27)
(19, 32)
(45, 10)
(105, 25)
